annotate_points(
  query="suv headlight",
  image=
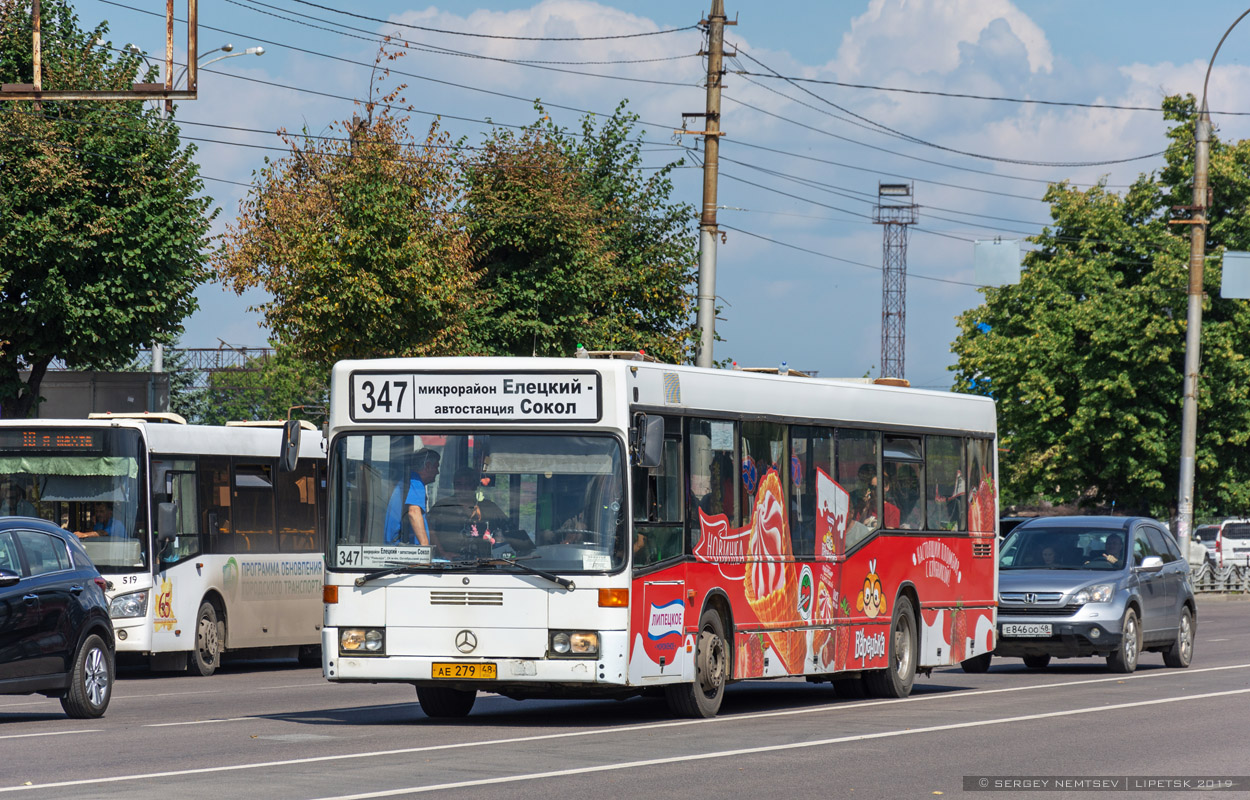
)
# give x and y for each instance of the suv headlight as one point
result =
(574, 644)
(361, 641)
(134, 604)
(1098, 593)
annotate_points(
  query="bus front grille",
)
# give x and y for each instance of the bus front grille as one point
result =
(464, 598)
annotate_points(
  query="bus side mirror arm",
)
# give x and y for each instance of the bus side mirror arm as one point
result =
(648, 440)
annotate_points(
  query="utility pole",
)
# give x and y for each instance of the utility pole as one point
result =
(711, 134)
(894, 218)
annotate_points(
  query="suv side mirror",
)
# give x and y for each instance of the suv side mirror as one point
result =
(648, 444)
(1151, 562)
(289, 457)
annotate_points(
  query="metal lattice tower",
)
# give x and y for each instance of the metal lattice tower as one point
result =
(895, 216)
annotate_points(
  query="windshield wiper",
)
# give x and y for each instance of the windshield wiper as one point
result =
(564, 583)
(395, 569)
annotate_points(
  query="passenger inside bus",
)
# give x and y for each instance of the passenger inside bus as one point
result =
(465, 520)
(15, 503)
(405, 522)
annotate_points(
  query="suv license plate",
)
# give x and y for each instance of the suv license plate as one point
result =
(473, 671)
(1019, 629)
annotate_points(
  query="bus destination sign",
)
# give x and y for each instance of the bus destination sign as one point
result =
(477, 397)
(49, 440)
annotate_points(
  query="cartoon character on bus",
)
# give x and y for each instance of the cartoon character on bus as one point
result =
(871, 599)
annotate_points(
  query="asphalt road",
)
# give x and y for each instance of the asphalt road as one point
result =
(271, 730)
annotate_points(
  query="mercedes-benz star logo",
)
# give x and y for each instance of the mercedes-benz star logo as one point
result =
(466, 642)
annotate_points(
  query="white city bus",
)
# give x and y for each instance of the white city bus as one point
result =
(211, 537)
(601, 528)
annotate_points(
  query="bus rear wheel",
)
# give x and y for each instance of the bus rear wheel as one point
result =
(440, 702)
(210, 632)
(896, 679)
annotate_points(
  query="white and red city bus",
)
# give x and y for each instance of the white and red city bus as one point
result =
(599, 528)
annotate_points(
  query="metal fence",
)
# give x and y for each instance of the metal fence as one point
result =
(1207, 578)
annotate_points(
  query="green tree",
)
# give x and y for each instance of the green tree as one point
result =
(103, 220)
(356, 240)
(269, 388)
(1085, 355)
(575, 243)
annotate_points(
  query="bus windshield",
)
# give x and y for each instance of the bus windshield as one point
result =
(85, 480)
(555, 500)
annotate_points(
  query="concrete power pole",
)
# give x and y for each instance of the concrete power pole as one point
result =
(711, 158)
(895, 217)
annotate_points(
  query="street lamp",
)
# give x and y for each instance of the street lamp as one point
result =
(1193, 332)
(158, 351)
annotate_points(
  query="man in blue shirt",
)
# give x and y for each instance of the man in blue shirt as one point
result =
(105, 524)
(414, 506)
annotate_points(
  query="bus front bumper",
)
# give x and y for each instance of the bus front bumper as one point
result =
(610, 668)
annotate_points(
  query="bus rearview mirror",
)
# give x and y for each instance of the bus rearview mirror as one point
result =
(167, 520)
(648, 440)
(289, 456)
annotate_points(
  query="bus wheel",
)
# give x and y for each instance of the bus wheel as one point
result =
(441, 702)
(209, 633)
(896, 679)
(702, 698)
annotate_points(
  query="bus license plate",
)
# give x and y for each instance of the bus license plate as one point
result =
(477, 671)
(1034, 629)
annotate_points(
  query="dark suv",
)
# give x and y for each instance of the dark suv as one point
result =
(55, 635)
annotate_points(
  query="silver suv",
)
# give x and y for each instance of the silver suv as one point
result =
(1082, 586)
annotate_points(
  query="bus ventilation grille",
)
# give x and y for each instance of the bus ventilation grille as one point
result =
(982, 549)
(457, 598)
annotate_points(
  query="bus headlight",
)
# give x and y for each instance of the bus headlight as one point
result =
(362, 641)
(134, 604)
(575, 644)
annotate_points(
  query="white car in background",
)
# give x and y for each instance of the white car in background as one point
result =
(1233, 543)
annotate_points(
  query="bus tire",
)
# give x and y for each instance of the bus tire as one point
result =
(896, 680)
(210, 632)
(977, 664)
(90, 681)
(702, 698)
(440, 702)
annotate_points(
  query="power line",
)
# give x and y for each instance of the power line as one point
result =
(496, 36)
(970, 154)
(961, 95)
(383, 38)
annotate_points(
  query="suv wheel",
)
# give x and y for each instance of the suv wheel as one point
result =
(1181, 652)
(90, 680)
(1124, 659)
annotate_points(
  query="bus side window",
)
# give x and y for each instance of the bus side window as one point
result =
(857, 466)
(254, 508)
(186, 539)
(297, 508)
(710, 446)
(658, 503)
(215, 503)
(811, 449)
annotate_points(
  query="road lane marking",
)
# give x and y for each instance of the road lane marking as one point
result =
(746, 751)
(50, 733)
(197, 722)
(625, 729)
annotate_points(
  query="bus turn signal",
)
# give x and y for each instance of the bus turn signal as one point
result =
(613, 598)
(329, 594)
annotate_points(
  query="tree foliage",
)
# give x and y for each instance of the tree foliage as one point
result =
(574, 243)
(355, 237)
(102, 220)
(1085, 356)
(280, 386)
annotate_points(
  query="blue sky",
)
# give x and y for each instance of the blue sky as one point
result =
(795, 169)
